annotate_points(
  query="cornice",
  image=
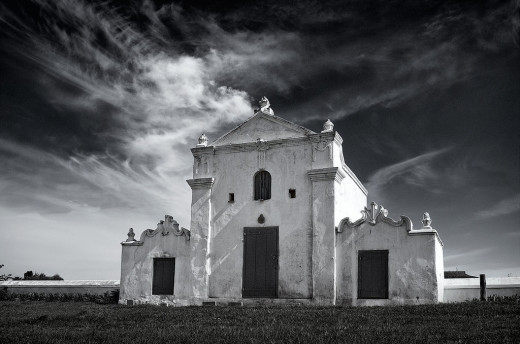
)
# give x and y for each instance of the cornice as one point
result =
(202, 150)
(426, 231)
(310, 137)
(327, 136)
(201, 183)
(329, 173)
(132, 243)
(252, 146)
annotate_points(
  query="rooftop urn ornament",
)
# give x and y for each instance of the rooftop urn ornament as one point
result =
(131, 235)
(265, 106)
(328, 126)
(426, 220)
(203, 141)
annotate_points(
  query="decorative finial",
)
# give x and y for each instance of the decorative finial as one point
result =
(203, 141)
(265, 106)
(373, 213)
(426, 220)
(131, 235)
(328, 126)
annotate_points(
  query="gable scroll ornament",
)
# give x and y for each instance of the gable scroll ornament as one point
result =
(376, 213)
(169, 225)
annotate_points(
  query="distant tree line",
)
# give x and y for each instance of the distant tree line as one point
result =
(30, 276)
(4, 277)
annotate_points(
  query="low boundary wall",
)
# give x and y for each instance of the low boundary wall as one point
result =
(466, 289)
(61, 287)
(455, 289)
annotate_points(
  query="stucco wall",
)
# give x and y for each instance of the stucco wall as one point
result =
(313, 261)
(233, 172)
(439, 268)
(306, 223)
(413, 262)
(137, 269)
(350, 195)
(349, 200)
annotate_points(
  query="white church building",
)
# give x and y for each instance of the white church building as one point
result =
(277, 216)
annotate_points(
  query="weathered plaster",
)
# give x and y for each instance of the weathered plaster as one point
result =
(137, 268)
(439, 268)
(201, 235)
(414, 261)
(297, 159)
(234, 173)
(323, 244)
(317, 244)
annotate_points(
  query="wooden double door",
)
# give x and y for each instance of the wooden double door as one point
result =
(260, 274)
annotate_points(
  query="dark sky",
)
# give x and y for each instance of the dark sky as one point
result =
(101, 101)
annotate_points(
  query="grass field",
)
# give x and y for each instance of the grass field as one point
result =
(82, 322)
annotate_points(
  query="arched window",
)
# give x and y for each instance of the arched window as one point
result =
(262, 185)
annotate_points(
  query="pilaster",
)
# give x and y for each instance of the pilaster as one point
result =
(200, 235)
(323, 244)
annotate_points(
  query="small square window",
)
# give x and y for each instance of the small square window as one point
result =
(231, 197)
(292, 193)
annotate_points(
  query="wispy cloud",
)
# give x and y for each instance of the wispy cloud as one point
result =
(504, 207)
(65, 185)
(416, 171)
(345, 73)
(466, 256)
(140, 83)
(161, 101)
(356, 74)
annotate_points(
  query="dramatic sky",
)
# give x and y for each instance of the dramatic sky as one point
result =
(101, 101)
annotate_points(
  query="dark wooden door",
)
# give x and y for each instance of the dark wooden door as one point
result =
(373, 274)
(163, 276)
(260, 275)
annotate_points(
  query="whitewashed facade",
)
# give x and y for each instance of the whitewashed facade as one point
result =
(270, 202)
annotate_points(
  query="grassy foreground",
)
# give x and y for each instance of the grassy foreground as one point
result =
(73, 322)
